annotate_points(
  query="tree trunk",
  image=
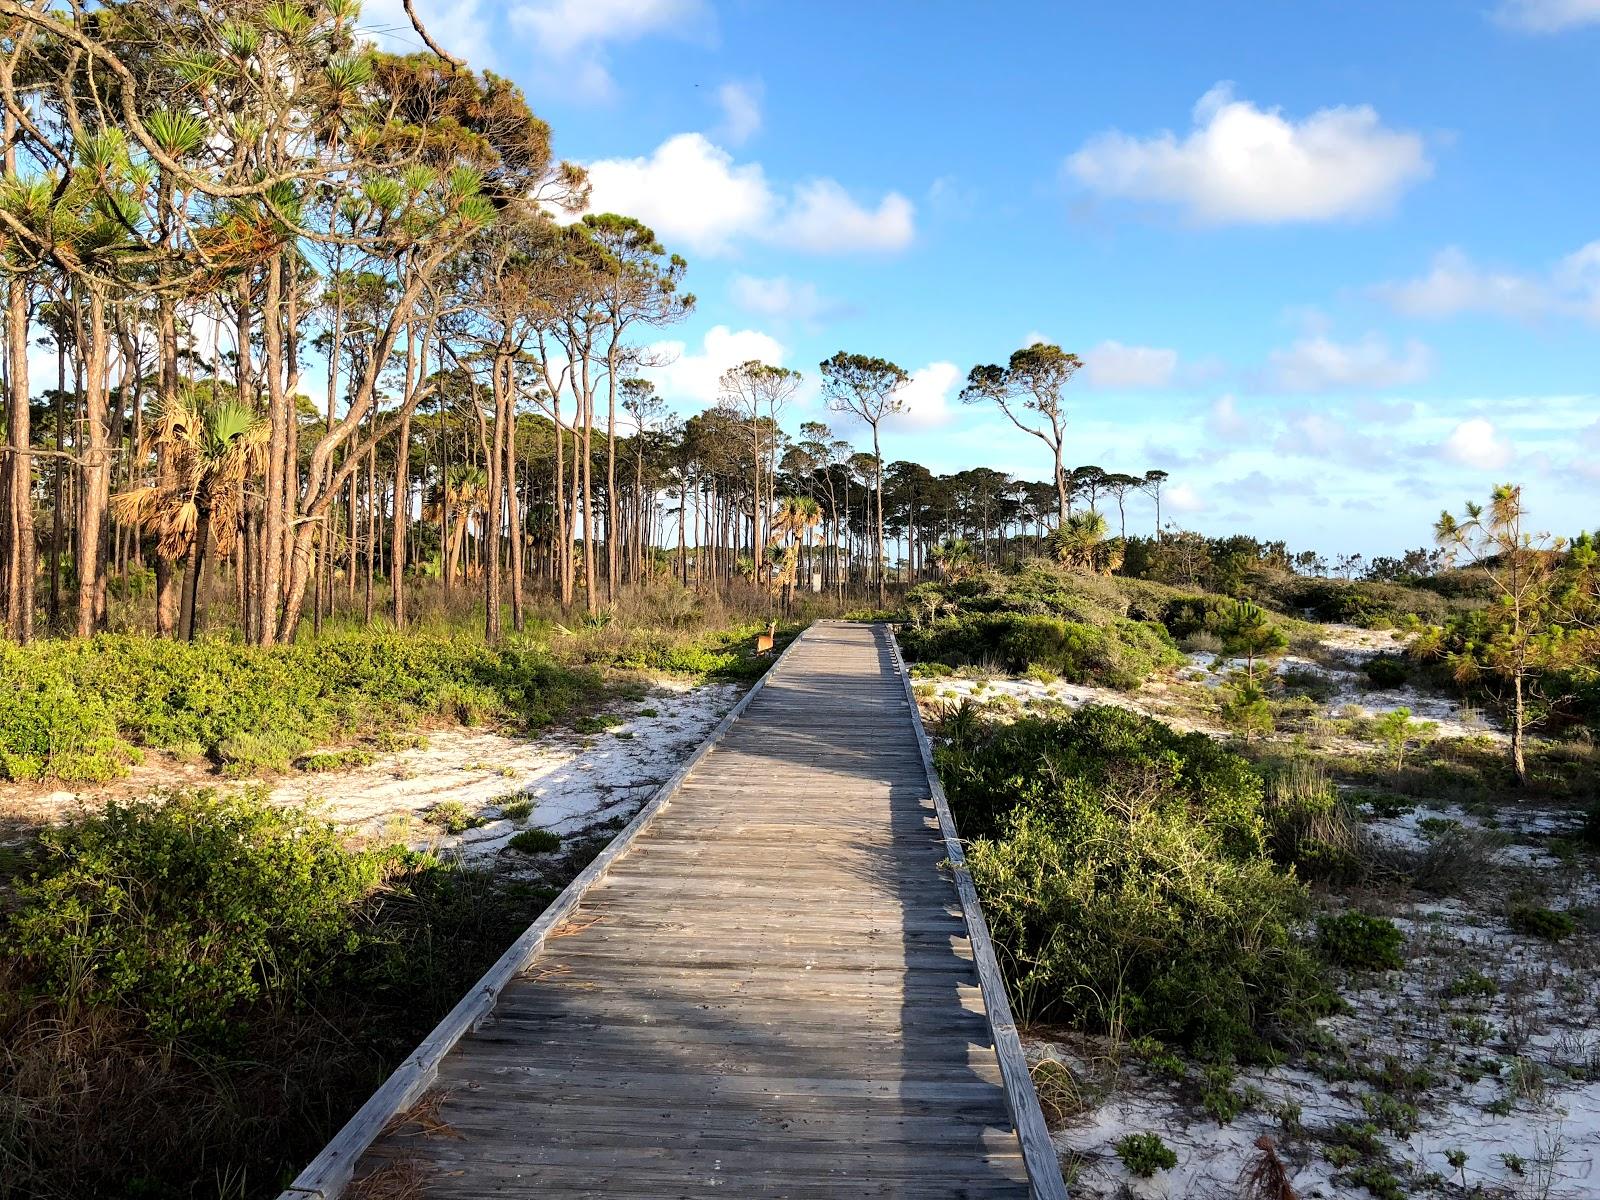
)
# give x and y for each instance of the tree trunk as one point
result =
(19, 477)
(96, 477)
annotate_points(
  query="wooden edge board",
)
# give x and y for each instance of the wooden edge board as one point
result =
(1038, 1151)
(327, 1175)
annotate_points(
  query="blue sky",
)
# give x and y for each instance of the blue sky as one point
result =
(1334, 266)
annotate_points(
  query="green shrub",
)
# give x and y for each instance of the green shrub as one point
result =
(1145, 1153)
(535, 841)
(1541, 922)
(84, 705)
(1124, 871)
(452, 817)
(51, 729)
(1387, 671)
(335, 760)
(1359, 942)
(1472, 985)
(191, 908)
(516, 807)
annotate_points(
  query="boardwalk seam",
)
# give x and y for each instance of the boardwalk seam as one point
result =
(1038, 1150)
(327, 1175)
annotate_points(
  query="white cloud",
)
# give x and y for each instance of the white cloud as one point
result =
(1455, 284)
(1547, 16)
(1113, 365)
(741, 111)
(459, 26)
(1320, 364)
(1225, 421)
(1034, 338)
(927, 397)
(694, 195)
(824, 220)
(1476, 443)
(1241, 163)
(781, 297)
(1182, 498)
(572, 35)
(690, 377)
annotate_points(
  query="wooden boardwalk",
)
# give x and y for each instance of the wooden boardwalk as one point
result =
(773, 990)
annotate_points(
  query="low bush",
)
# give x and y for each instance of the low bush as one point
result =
(1125, 874)
(1145, 1153)
(81, 709)
(1359, 942)
(197, 990)
(1541, 922)
(1044, 619)
(535, 841)
(1387, 671)
(192, 909)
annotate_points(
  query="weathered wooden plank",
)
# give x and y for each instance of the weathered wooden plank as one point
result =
(1044, 1168)
(776, 993)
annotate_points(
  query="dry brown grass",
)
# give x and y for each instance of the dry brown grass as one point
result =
(423, 1119)
(395, 1179)
(1266, 1177)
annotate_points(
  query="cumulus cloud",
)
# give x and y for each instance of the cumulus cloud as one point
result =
(1547, 16)
(823, 219)
(1455, 284)
(741, 111)
(690, 376)
(1113, 365)
(782, 298)
(1477, 443)
(695, 195)
(1320, 364)
(926, 398)
(1240, 163)
(573, 35)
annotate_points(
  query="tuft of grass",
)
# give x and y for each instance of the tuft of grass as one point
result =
(452, 817)
(535, 841)
(517, 806)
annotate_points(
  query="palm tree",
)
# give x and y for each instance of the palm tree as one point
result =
(953, 558)
(214, 446)
(1080, 543)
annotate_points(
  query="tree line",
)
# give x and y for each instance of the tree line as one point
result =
(205, 203)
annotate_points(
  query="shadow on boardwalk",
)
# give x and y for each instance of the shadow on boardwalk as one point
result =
(771, 994)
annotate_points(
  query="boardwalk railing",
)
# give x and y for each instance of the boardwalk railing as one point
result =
(1038, 1151)
(809, 837)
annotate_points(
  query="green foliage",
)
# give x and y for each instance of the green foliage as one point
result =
(85, 705)
(1040, 618)
(1245, 707)
(517, 807)
(1541, 922)
(1124, 870)
(452, 817)
(192, 908)
(596, 722)
(535, 841)
(335, 760)
(1145, 1153)
(1397, 731)
(1247, 632)
(1472, 985)
(1359, 942)
(1387, 671)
